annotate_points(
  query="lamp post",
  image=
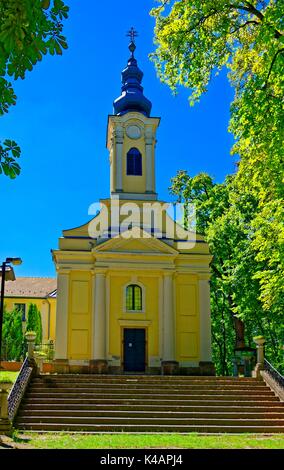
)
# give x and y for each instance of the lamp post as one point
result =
(6, 272)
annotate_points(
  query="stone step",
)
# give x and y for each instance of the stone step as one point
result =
(151, 429)
(143, 378)
(30, 406)
(200, 400)
(24, 414)
(162, 380)
(96, 404)
(205, 395)
(131, 386)
(150, 420)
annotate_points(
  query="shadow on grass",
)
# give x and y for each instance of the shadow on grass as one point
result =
(20, 439)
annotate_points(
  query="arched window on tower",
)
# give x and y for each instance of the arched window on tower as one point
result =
(133, 298)
(134, 162)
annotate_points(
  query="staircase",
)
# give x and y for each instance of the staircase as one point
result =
(150, 404)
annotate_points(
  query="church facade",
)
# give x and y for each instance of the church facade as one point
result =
(132, 296)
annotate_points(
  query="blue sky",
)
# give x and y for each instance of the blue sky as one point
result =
(60, 123)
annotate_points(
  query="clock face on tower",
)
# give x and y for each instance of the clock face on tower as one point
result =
(133, 132)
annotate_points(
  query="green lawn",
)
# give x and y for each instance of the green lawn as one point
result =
(146, 441)
(8, 376)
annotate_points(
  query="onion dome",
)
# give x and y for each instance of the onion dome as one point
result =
(132, 98)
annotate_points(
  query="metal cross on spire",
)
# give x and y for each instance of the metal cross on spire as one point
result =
(132, 34)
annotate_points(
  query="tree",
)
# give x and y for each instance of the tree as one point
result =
(29, 29)
(34, 322)
(195, 39)
(13, 339)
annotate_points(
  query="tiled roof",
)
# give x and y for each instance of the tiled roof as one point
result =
(37, 287)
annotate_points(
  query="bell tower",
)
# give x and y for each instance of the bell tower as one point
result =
(131, 137)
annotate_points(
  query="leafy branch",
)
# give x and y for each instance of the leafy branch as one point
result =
(280, 51)
(28, 31)
(9, 152)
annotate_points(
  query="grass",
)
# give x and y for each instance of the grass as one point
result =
(148, 441)
(6, 376)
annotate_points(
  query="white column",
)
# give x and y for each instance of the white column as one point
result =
(169, 320)
(62, 315)
(100, 317)
(205, 320)
(118, 150)
(161, 316)
(93, 312)
(149, 160)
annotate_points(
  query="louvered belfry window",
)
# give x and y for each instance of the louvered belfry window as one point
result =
(134, 162)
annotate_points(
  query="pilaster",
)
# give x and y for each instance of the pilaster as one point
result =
(169, 342)
(62, 306)
(205, 319)
(149, 160)
(118, 150)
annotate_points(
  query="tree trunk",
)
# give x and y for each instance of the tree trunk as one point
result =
(240, 332)
(238, 326)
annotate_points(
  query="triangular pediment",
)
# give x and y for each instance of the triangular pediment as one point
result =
(136, 241)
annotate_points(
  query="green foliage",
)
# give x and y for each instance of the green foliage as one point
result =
(12, 336)
(46, 350)
(195, 39)
(34, 322)
(29, 29)
(9, 151)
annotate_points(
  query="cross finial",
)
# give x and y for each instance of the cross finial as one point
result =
(132, 34)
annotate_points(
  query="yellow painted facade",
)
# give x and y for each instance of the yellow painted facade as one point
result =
(47, 308)
(100, 262)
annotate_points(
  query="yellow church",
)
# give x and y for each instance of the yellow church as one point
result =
(133, 292)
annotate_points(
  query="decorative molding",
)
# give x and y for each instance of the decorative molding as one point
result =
(152, 196)
(169, 273)
(63, 271)
(151, 242)
(134, 322)
(118, 134)
(133, 131)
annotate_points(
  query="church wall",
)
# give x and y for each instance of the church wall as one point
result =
(116, 313)
(119, 318)
(187, 320)
(151, 285)
(79, 316)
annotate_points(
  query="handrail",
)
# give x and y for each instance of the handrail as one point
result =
(17, 391)
(274, 373)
